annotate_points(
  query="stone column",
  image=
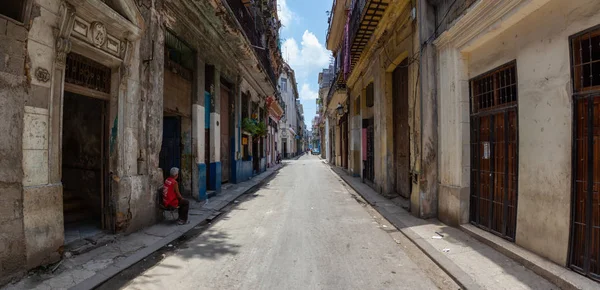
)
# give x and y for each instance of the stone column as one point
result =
(424, 202)
(453, 134)
(198, 127)
(215, 134)
(237, 132)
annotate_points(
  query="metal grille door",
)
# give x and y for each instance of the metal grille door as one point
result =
(585, 227)
(494, 151)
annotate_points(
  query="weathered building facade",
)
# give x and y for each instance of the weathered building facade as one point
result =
(518, 92)
(101, 97)
(288, 142)
(381, 117)
(325, 79)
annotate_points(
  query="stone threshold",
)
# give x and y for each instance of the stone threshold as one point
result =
(91, 269)
(561, 276)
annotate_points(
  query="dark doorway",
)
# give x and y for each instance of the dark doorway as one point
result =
(170, 153)
(402, 183)
(225, 135)
(256, 154)
(344, 140)
(494, 151)
(285, 151)
(84, 166)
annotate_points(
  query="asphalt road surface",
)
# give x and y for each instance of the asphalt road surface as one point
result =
(303, 230)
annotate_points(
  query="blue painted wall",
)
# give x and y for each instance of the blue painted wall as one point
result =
(206, 110)
(263, 164)
(215, 176)
(202, 182)
(242, 170)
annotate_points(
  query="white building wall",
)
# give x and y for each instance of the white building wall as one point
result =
(536, 36)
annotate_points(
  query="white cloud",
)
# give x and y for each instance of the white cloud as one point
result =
(285, 14)
(310, 56)
(306, 93)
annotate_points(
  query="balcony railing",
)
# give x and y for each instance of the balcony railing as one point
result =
(254, 31)
(330, 20)
(364, 19)
(337, 84)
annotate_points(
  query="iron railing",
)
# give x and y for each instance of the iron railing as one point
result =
(330, 20)
(254, 31)
(355, 18)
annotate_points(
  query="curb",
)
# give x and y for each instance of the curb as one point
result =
(457, 274)
(567, 280)
(114, 269)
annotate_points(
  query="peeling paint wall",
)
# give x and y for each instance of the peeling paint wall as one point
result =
(20, 149)
(395, 46)
(14, 88)
(42, 192)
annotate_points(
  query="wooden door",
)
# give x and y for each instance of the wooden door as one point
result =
(225, 142)
(344, 140)
(494, 151)
(170, 153)
(585, 239)
(369, 171)
(402, 181)
(585, 220)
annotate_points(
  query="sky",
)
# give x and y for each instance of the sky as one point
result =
(303, 32)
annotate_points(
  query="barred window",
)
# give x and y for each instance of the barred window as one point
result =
(87, 73)
(585, 50)
(494, 89)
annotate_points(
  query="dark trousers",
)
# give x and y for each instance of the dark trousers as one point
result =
(184, 206)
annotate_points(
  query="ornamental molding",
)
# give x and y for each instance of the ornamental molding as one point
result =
(484, 20)
(62, 33)
(96, 34)
(42, 74)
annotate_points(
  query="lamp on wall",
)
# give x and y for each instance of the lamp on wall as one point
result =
(340, 109)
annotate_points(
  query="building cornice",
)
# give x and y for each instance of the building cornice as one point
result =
(484, 20)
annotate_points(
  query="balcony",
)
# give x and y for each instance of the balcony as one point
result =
(364, 19)
(254, 30)
(330, 19)
(338, 84)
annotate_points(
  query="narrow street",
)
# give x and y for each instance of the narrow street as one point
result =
(302, 230)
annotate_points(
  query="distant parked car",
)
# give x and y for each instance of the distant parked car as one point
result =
(316, 151)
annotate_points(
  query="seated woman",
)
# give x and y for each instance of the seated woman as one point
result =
(173, 199)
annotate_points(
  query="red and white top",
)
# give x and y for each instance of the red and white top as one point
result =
(169, 195)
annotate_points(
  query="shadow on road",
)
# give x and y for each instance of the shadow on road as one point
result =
(201, 242)
(211, 244)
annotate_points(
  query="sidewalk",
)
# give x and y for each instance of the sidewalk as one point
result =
(90, 269)
(473, 264)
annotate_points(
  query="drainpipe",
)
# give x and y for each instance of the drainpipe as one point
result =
(420, 74)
